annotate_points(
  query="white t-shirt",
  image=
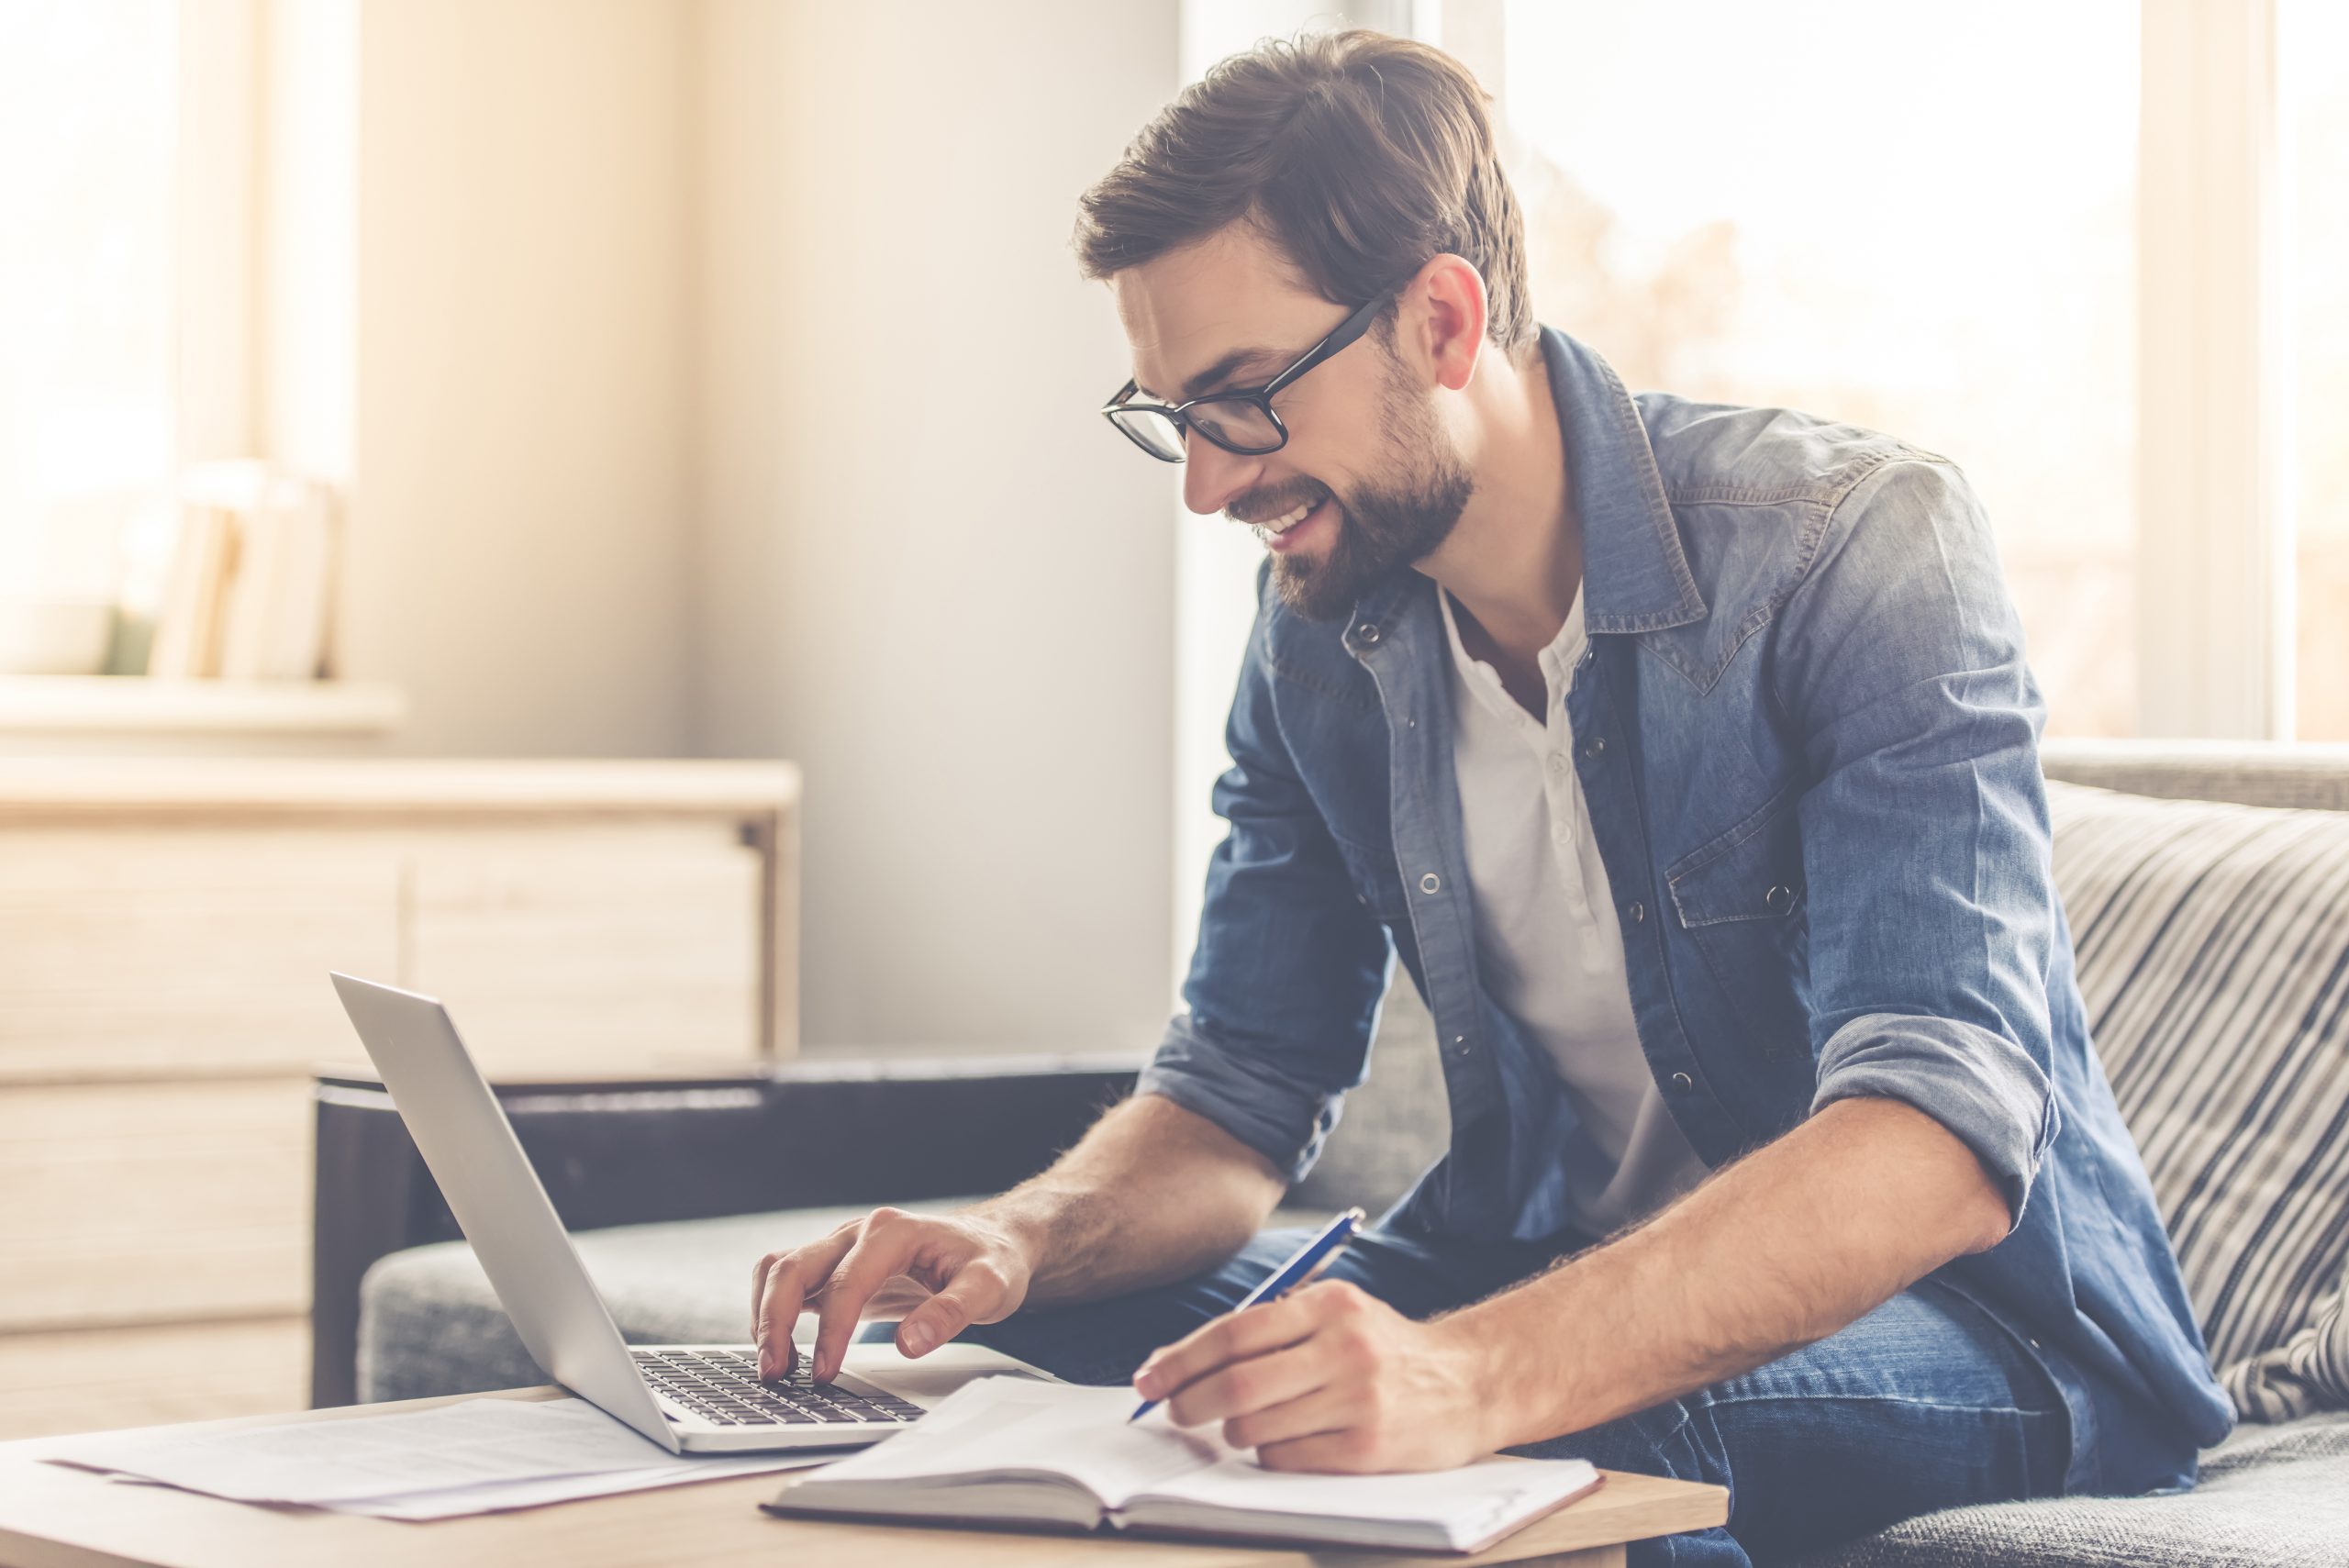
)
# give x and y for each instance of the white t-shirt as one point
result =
(1549, 946)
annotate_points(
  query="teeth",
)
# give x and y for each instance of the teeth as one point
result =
(1287, 520)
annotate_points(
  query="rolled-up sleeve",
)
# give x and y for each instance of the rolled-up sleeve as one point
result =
(1289, 969)
(1925, 838)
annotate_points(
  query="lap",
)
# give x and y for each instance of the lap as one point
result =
(1924, 1404)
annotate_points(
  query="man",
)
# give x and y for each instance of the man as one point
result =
(1687, 757)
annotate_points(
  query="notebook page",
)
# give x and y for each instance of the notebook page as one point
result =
(1465, 1505)
(999, 1425)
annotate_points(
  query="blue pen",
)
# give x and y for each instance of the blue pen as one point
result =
(1302, 1266)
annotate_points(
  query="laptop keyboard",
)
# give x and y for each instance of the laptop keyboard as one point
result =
(723, 1387)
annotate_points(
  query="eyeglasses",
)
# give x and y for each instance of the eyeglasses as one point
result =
(1243, 421)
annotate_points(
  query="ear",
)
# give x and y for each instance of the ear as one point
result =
(1443, 316)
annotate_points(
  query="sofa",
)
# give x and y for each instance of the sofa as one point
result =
(2208, 890)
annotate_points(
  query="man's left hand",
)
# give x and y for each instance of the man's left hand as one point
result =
(1329, 1378)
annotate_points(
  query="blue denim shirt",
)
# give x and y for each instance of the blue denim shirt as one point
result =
(1808, 743)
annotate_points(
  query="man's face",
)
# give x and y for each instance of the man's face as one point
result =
(1379, 483)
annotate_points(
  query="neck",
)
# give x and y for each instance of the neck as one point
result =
(1514, 560)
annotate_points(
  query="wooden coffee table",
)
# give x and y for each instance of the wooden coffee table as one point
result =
(54, 1517)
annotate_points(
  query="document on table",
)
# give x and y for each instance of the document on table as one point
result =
(476, 1457)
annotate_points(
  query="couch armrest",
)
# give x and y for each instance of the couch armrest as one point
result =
(643, 1151)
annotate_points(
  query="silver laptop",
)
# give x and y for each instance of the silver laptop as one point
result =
(688, 1398)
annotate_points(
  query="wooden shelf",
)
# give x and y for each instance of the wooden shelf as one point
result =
(132, 703)
(401, 788)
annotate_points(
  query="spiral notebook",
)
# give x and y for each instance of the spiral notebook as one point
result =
(1005, 1450)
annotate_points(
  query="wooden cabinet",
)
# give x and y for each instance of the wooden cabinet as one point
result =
(165, 932)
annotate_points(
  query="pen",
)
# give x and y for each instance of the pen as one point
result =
(1302, 1266)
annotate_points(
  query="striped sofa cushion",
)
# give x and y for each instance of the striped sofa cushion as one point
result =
(2213, 944)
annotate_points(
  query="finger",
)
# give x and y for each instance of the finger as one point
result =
(759, 1271)
(884, 1248)
(788, 1284)
(976, 1294)
(1255, 1383)
(1326, 1408)
(1252, 1332)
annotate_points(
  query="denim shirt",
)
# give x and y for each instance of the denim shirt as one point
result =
(1808, 743)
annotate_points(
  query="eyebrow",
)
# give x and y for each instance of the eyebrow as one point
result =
(1221, 370)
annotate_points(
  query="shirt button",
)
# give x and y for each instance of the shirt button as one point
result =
(1595, 747)
(1429, 883)
(1682, 1082)
(1460, 1044)
(1779, 900)
(1366, 634)
(1557, 761)
(1638, 912)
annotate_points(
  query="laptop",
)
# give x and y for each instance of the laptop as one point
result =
(688, 1398)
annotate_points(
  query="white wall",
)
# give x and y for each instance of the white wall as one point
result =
(928, 571)
(521, 520)
(1216, 563)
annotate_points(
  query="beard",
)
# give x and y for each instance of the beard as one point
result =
(1388, 522)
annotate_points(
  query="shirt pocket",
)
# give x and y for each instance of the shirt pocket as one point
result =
(1742, 902)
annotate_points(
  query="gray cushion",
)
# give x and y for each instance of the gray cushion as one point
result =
(1395, 1124)
(2269, 1495)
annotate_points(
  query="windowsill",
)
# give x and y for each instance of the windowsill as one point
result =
(135, 705)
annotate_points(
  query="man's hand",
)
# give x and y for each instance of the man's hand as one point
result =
(942, 1272)
(1329, 1378)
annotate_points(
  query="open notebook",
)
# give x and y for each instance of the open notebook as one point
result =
(1007, 1450)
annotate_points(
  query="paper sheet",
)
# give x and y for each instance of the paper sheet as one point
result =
(474, 1457)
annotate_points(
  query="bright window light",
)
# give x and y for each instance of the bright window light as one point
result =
(1911, 218)
(2313, 36)
(87, 129)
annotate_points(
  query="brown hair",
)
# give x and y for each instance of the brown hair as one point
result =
(1360, 154)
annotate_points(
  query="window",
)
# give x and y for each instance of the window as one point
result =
(88, 134)
(2314, 54)
(1867, 213)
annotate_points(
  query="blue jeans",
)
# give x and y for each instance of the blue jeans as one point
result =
(1924, 1404)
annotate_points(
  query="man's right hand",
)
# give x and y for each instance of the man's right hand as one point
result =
(943, 1273)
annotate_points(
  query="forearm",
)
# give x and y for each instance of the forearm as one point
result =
(1152, 1194)
(1779, 1249)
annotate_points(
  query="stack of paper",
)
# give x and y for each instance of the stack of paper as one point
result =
(476, 1457)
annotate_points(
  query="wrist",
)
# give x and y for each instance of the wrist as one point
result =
(1487, 1369)
(1021, 1231)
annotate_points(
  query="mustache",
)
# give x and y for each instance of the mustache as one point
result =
(1265, 504)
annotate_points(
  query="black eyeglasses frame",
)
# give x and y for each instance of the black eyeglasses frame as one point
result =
(1178, 413)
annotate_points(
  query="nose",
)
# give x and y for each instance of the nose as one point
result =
(1213, 477)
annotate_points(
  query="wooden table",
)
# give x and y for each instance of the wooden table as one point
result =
(54, 1517)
